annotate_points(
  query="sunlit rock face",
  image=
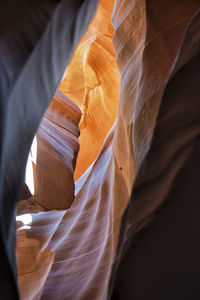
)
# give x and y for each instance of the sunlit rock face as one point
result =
(79, 237)
(92, 81)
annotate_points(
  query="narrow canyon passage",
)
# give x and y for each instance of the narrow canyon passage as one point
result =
(68, 228)
(90, 146)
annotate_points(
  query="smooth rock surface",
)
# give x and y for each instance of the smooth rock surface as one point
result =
(92, 81)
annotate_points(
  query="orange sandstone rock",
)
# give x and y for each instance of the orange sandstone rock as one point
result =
(92, 81)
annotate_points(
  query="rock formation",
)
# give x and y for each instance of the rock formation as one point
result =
(78, 237)
(92, 81)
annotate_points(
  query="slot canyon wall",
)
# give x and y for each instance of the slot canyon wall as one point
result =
(67, 231)
(84, 212)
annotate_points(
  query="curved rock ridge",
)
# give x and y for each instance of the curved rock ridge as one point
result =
(53, 158)
(92, 81)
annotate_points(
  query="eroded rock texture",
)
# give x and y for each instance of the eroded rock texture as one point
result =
(82, 238)
(92, 81)
(80, 242)
(57, 149)
(53, 155)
